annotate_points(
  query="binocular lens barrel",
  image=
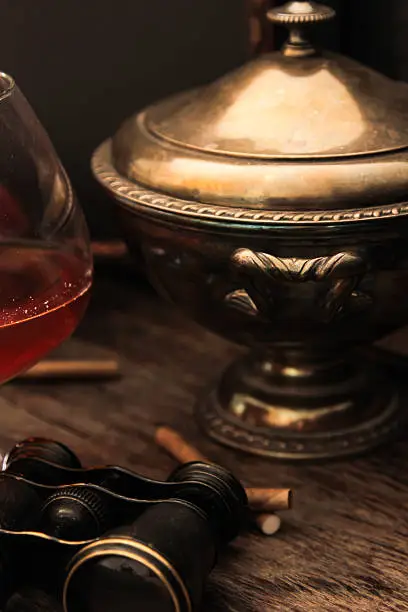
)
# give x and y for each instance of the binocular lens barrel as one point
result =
(118, 581)
(161, 561)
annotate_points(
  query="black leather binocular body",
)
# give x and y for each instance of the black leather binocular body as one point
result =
(105, 538)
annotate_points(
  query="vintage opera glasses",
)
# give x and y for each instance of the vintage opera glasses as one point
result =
(105, 538)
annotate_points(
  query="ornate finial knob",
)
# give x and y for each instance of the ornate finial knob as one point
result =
(297, 15)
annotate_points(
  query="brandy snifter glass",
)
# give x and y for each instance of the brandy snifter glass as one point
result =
(45, 256)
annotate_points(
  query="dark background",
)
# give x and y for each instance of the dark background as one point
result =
(87, 65)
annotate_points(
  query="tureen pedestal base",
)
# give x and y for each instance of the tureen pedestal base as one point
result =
(291, 405)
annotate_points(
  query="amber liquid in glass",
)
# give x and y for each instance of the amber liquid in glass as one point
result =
(43, 295)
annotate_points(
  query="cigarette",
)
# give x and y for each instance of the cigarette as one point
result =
(50, 369)
(260, 500)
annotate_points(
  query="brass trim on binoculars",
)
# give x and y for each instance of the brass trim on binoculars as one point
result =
(89, 553)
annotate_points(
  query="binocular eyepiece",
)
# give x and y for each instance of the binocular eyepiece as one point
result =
(108, 538)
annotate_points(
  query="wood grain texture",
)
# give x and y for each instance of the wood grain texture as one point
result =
(343, 546)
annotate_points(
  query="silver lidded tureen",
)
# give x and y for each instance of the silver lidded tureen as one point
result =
(271, 206)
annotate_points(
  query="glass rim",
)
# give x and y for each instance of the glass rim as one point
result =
(10, 85)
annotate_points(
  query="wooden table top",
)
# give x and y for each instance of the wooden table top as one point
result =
(344, 546)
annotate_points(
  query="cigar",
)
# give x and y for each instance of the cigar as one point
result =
(109, 250)
(259, 30)
(260, 500)
(50, 369)
(177, 446)
(264, 500)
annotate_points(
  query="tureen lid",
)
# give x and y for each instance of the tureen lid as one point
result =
(295, 135)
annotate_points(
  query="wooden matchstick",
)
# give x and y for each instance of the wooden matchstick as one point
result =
(260, 500)
(50, 369)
